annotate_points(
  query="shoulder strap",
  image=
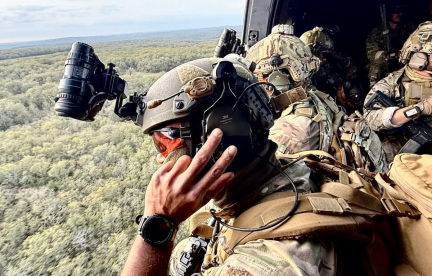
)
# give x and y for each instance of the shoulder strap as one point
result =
(326, 125)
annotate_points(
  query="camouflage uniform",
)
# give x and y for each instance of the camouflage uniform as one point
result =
(311, 123)
(268, 256)
(284, 257)
(377, 53)
(337, 75)
(395, 86)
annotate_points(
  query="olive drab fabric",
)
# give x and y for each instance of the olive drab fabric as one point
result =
(411, 180)
(379, 57)
(362, 145)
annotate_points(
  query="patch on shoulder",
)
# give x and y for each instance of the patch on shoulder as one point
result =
(188, 72)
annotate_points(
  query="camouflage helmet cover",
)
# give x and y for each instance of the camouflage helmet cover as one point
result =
(297, 57)
(173, 81)
(419, 41)
(317, 36)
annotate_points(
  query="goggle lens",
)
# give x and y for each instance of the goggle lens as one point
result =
(164, 144)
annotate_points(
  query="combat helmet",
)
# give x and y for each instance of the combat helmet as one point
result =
(420, 41)
(284, 54)
(209, 93)
(318, 36)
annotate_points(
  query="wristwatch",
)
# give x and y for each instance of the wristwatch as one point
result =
(156, 230)
(413, 112)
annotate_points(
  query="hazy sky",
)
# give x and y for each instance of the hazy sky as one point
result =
(25, 20)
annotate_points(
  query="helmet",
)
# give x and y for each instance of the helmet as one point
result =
(420, 41)
(317, 36)
(210, 93)
(281, 51)
(396, 6)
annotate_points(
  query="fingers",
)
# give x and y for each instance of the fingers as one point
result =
(166, 167)
(204, 154)
(217, 186)
(180, 166)
(217, 170)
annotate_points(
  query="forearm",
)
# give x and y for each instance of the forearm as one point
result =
(381, 119)
(145, 259)
(399, 117)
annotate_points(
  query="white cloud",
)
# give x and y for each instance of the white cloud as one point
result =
(42, 19)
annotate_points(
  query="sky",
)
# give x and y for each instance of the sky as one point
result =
(28, 20)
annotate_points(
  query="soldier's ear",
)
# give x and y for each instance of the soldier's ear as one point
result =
(160, 158)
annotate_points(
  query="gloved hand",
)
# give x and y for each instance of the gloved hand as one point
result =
(427, 106)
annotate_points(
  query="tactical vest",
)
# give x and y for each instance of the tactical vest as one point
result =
(320, 113)
(347, 207)
(348, 138)
(415, 92)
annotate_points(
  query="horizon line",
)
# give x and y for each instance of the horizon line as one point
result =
(107, 35)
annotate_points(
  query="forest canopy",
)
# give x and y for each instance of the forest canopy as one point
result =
(70, 190)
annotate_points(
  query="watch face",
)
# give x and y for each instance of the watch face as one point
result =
(411, 112)
(157, 230)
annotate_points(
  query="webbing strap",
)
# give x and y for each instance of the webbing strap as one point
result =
(316, 215)
(198, 226)
(282, 101)
(389, 189)
(328, 100)
(306, 152)
(270, 210)
(353, 196)
(277, 204)
(394, 202)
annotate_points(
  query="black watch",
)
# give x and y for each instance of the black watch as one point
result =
(156, 230)
(413, 112)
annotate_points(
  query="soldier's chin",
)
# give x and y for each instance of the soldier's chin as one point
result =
(176, 154)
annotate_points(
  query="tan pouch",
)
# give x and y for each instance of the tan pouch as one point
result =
(412, 175)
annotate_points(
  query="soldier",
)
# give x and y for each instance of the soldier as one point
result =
(337, 75)
(326, 234)
(313, 121)
(385, 41)
(410, 89)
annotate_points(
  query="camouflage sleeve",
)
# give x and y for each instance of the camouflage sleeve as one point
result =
(374, 43)
(286, 257)
(380, 119)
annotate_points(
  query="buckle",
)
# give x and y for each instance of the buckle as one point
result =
(400, 208)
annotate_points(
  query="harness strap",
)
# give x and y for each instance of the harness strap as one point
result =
(353, 196)
(282, 101)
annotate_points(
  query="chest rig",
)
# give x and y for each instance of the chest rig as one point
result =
(415, 92)
(348, 206)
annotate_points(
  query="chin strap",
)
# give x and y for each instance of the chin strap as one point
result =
(188, 142)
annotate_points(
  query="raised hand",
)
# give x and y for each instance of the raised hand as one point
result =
(176, 192)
